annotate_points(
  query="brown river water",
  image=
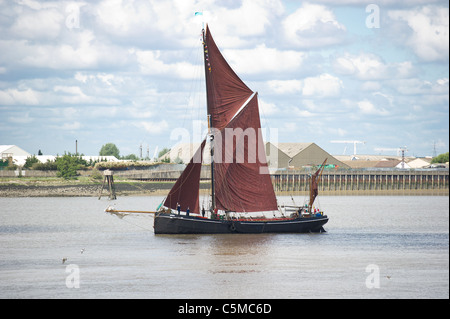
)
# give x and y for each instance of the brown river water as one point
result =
(374, 247)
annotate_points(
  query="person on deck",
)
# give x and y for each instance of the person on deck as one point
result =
(187, 211)
(178, 208)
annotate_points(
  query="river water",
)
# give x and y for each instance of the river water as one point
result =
(374, 247)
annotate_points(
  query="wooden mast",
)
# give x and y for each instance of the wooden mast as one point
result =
(210, 133)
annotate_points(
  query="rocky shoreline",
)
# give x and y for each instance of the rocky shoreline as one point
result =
(81, 190)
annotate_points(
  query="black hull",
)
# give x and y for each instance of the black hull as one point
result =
(180, 224)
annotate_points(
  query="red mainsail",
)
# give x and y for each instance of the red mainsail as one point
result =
(242, 180)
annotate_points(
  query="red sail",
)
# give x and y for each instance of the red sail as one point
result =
(226, 92)
(242, 179)
(186, 189)
(314, 188)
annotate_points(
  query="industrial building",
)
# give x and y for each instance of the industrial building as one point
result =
(7, 151)
(384, 161)
(279, 155)
(298, 155)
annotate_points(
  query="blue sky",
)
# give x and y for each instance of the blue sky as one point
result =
(130, 72)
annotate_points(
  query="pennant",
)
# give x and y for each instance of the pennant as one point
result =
(198, 14)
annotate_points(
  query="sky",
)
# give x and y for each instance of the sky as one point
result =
(131, 72)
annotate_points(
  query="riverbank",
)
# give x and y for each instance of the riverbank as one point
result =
(88, 187)
(82, 187)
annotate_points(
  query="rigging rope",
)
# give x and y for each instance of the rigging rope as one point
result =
(122, 216)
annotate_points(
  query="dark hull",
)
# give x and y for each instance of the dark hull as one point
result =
(176, 224)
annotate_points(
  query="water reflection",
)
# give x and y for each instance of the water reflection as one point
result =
(238, 253)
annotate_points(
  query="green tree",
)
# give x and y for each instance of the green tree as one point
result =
(109, 149)
(3, 163)
(132, 157)
(47, 166)
(30, 161)
(441, 158)
(68, 165)
(163, 151)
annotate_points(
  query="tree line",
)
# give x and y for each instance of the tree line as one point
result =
(68, 164)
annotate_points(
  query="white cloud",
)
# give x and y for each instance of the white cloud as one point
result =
(290, 127)
(175, 19)
(153, 127)
(251, 18)
(21, 119)
(267, 108)
(72, 90)
(324, 85)
(304, 113)
(139, 113)
(384, 3)
(285, 86)
(123, 17)
(150, 63)
(106, 78)
(79, 50)
(416, 86)
(430, 31)
(81, 54)
(45, 24)
(71, 126)
(310, 104)
(36, 5)
(74, 95)
(68, 126)
(19, 97)
(368, 66)
(371, 86)
(263, 59)
(312, 26)
(367, 107)
(144, 23)
(81, 77)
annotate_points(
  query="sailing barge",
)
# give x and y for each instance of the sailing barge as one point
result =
(240, 182)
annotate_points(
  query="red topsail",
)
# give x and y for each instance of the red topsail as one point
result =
(226, 92)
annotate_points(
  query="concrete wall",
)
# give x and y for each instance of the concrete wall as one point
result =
(355, 180)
